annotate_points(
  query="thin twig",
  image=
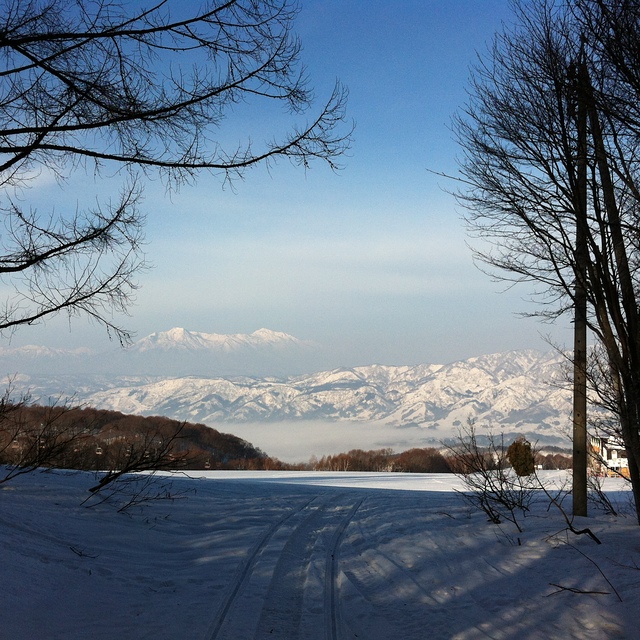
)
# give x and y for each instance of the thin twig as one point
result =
(81, 553)
(574, 590)
(595, 564)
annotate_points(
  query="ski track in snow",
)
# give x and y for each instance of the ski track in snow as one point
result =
(331, 599)
(255, 556)
(289, 570)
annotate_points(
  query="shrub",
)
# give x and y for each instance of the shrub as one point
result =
(520, 455)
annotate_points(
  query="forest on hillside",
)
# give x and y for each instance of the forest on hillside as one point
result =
(34, 436)
(92, 439)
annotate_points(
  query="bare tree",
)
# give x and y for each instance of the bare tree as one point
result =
(30, 440)
(133, 89)
(491, 484)
(151, 450)
(116, 446)
(551, 182)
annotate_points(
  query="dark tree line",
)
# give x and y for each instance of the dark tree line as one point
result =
(39, 437)
(432, 460)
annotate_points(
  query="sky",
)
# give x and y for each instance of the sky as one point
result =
(371, 262)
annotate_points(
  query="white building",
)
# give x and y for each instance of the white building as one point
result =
(610, 456)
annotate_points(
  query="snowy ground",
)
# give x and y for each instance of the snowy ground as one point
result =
(309, 556)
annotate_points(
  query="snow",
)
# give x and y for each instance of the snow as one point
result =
(179, 338)
(310, 556)
(328, 412)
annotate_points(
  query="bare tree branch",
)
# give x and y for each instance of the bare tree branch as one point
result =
(136, 90)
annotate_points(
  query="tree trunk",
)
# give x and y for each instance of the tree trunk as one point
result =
(623, 351)
(580, 310)
(630, 429)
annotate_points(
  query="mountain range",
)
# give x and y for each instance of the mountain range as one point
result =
(518, 392)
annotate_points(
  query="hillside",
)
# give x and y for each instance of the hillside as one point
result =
(69, 437)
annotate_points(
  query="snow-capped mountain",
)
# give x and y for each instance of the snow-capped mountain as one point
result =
(37, 352)
(519, 392)
(174, 352)
(184, 340)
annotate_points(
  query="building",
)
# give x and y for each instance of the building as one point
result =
(609, 456)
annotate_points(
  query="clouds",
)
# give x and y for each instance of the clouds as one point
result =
(404, 259)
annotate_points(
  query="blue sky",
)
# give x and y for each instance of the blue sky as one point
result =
(371, 262)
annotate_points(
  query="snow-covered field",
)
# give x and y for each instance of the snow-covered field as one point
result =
(295, 555)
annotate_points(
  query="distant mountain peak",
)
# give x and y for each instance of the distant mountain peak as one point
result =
(178, 333)
(164, 340)
(176, 351)
(180, 338)
(269, 334)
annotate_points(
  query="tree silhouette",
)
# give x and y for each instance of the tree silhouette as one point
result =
(551, 182)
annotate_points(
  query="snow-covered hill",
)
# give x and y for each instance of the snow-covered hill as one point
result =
(515, 392)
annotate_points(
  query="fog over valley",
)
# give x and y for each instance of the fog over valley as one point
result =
(293, 416)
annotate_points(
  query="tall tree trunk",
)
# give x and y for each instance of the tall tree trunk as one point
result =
(580, 310)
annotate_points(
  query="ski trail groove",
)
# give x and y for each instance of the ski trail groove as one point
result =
(283, 609)
(247, 568)
(331, 603)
